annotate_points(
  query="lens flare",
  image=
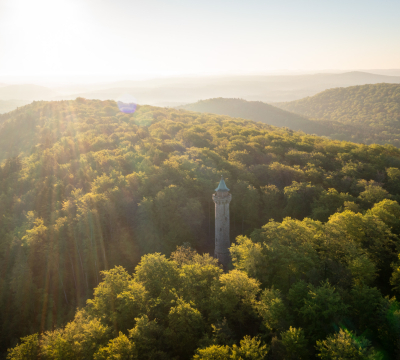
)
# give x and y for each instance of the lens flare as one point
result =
(127, 104)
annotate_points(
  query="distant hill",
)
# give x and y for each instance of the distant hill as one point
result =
(266, 88)
(390, 72)
(185, 90)
(374, 110)
(355, 78)
(365, 114)
(258, 111)
(9, 105)
(28, 92)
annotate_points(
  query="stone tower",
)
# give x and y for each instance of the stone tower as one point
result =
(222, 198)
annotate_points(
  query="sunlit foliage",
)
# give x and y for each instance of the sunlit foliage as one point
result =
(85, 189)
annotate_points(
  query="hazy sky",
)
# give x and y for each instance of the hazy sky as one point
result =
(168, 37)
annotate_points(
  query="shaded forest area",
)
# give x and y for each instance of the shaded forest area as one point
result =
(86, 188)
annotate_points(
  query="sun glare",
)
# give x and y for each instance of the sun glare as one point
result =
(52, 35)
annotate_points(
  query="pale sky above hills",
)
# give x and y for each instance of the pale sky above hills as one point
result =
(175, 37)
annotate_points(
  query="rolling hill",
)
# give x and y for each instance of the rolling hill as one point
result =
(27, 92)
(176, 91)
(365, 114)
(9, 105)
(374, 110)
(258, 111)
(266, 88)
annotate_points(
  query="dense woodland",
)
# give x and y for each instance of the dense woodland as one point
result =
(367, 113)
(107, 219)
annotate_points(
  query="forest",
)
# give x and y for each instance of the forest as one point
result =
(107, 227)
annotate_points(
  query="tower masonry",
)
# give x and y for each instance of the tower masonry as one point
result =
(222, 198)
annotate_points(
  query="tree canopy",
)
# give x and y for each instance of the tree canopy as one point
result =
(93, 198)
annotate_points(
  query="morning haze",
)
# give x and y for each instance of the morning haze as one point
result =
(188, 50)
(157, 38)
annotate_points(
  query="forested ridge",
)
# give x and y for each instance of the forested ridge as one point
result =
(92, 198)
(372, 111)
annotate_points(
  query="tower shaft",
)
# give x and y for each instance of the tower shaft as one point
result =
(222, 241)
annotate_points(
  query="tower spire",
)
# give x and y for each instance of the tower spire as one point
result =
(222, 186)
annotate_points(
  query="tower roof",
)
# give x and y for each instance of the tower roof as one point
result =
(222, 185)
